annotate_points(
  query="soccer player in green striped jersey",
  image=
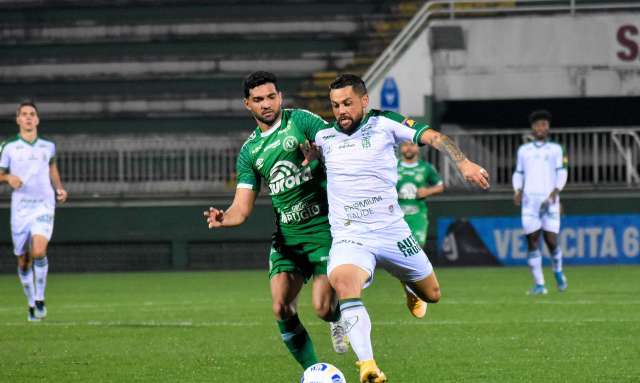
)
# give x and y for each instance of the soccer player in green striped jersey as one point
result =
(302, 239)
(417, 180)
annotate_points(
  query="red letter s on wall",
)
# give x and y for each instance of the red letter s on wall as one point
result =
(624, 33)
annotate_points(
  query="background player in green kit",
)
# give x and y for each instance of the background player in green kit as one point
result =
(302, 239)
(417, 180)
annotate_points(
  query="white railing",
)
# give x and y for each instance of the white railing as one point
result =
(183, 166)
(473, 8)
(598, 157)
(148, 165)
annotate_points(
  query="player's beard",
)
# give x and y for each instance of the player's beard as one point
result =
(268, 121)
(352, 126)
(409, 156)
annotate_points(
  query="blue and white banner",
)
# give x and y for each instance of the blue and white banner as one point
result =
(591, 239)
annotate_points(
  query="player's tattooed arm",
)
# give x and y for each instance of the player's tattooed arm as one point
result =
(444, 144)
(471, 172)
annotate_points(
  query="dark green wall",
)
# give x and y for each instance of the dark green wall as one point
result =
(180, 226)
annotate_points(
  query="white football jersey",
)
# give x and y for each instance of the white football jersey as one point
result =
(362, 171)
(30, 162)
(541, 167)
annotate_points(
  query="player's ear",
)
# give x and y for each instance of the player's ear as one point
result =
(245, 101)
(365, 101)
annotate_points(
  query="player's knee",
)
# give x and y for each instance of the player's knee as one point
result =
(434, 294)
(38, 253)
(346, 288)
(323, 310)
(282, 310)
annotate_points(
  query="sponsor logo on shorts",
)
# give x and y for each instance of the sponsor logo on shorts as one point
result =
(46, 218)
(409, 246)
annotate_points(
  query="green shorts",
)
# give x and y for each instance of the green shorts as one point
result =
(419, 225)
(307, 259)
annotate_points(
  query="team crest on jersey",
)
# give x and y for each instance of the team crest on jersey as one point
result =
(408, 122)
(259, 163)
(290, 144)
(285, 175)
(419, 178)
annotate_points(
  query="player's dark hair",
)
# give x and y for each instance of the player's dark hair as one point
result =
(259, 78)
(352, 80)
(538, 115)
(26, 103)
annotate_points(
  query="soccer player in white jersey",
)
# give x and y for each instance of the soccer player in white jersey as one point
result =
(28, 165)
(366, 220)
(541, 173)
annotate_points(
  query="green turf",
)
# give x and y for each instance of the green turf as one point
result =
(217, 327)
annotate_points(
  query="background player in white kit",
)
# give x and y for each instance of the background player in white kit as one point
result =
(541, 173)
(367, 223)
(27, 164)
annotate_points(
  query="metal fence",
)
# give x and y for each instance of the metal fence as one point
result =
(148, 165)
(180, 165)
(602, 157)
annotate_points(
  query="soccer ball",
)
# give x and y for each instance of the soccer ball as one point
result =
(322, 373)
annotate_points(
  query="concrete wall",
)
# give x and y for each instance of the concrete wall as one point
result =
(518, 58)
(144, 236)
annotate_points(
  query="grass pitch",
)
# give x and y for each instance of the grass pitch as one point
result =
(218, 327)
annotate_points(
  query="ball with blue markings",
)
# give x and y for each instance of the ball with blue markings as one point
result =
(322, 373)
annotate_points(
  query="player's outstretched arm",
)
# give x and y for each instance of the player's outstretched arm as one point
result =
(471, 171)
(236, 214)
(54, 174)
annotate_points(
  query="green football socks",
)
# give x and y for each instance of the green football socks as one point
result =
(297, 340)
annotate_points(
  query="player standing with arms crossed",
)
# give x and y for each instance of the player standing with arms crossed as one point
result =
(28, 165)
(540, 176)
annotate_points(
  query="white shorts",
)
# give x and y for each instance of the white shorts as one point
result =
(536, 214)
(393, 248)
(25, 226)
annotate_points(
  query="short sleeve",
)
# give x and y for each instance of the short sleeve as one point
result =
(309, 123)
(246, 176)
(432, 176)
(562, 161)
(5, 160)
(52, 157)
(403, 128)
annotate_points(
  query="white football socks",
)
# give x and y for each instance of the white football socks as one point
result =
(41, 269)
(556, 260)
(26, 279)
(535, 265)
(358, 324)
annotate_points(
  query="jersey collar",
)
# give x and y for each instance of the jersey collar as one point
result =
(272, 129)
(32, 143)
(409, 164)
